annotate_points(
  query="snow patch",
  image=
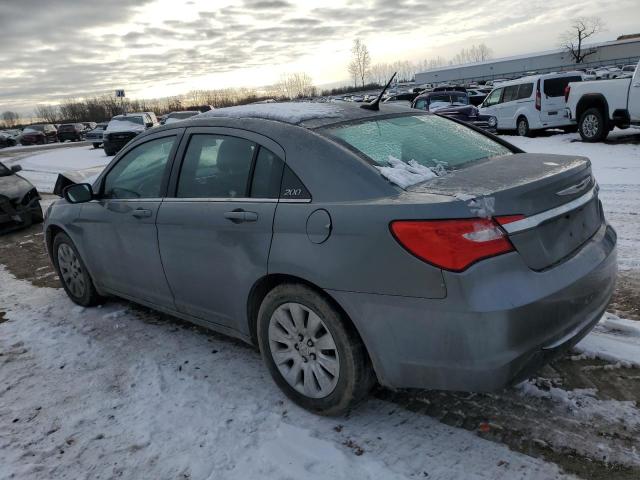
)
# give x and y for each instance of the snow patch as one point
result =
(405, 174)
(614, 340)
(293, 112)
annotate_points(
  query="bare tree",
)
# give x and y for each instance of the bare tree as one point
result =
(475, 53)
(295, 85)
(581, 29)
(10, 118)
(48, 113)
(360, 61)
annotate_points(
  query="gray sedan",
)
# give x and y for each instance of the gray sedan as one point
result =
(352, 246)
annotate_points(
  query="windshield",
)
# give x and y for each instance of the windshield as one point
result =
(450, 98)
(430, 140)
(4, 171)
(130, 119)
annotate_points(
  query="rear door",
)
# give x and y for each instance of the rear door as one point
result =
(552, 103)
(119, 227)
(215, 232)
(634, 97)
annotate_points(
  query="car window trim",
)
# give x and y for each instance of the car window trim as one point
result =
(176, 132)
(258, 139)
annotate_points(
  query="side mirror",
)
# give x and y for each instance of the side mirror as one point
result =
(16, 168)
(78, 193)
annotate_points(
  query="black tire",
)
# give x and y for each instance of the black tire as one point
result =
(355, 377)
(96, 145)
(36, 213)
(89, 296)
(592, 126)
(522, 127)
(109, 153)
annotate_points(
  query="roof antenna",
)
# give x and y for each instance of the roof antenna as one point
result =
(375, 105)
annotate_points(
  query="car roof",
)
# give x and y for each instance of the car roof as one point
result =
(534, 78)
(305, 114)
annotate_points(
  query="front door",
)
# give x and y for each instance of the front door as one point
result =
(216, 232)
(119, 227)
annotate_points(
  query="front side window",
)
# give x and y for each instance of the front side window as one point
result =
(216, 166)
(430, 140)
(421, 104)
(493, 98)
(139, 173)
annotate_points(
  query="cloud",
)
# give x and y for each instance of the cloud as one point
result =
(60, 49)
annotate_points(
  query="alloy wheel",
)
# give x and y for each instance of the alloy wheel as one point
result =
(304, 350)
(522, 128)
(590, 125)
(71, 270)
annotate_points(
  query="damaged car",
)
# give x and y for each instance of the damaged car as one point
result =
(352, 243)
(19, 200)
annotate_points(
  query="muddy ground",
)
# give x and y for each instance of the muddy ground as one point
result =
(575, 431)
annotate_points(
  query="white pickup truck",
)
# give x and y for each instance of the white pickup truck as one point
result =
(600, 105)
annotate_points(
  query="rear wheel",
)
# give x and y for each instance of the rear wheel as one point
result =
(312, 352)
(96, 145)
(36, 213)
(592, 126)
(522, 127)
(73, 273)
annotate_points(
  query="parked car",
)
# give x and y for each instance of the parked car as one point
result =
(284, 225)
(95, 136)
(476, 96)
(597, 107)
(6, 140)
(404, 98)
(123, 128)
(177, 116)
(12, 133)
(88, 126)
(454, 104)
(531, 104)
(19, 200)
(607, 73)
(74, 132)
(39, 134)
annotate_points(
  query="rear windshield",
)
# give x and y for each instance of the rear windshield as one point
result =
(432, 141)
(34, 128)
(554, 87)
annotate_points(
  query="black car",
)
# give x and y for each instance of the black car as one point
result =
(19, 200)
(7, 140)
(455, 104)
(71, 131)
(39, 134)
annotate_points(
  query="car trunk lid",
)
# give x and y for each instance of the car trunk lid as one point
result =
(556, 194)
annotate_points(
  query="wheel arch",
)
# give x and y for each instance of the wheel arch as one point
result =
(268, 282)
(592, 100)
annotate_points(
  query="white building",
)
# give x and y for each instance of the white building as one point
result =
(618, 52)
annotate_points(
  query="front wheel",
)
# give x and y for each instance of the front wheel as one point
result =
(592, 126)
(36, 213)
(314, 355)
(73, 273)
(523, 127)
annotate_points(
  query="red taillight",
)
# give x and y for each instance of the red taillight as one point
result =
(454, 244)
(567, 91)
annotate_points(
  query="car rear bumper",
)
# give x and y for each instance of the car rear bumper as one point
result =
(499, 323)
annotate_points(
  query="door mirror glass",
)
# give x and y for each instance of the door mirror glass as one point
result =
(78, 193)
(16, 168)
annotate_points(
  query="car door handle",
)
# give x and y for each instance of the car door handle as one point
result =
(239, 216)
(141, 213)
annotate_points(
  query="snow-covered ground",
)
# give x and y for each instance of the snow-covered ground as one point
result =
(42, 168)
(117, 393)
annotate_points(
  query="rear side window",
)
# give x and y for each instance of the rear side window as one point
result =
(510, 93)
(554, 87)
(216, 166)
(525, 90)
(430, 140)
(267, 175)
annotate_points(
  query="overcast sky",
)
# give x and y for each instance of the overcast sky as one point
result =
(50, 50)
